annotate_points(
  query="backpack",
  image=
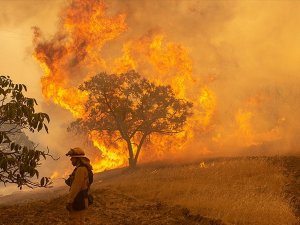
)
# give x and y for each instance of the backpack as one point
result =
(91, 175)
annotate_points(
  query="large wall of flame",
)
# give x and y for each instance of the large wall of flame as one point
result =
(245, 52)
(74, 53)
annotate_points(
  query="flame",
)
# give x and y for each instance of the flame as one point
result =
(54, 175)
(165, 62)
(243, 132)
(243, 119)
(74, 54)
(74, 50)
(159, 60)
(250, 137)
(59, 175)
(111, 157)
(207, 102)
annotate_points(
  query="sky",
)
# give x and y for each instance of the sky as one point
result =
(250, 48)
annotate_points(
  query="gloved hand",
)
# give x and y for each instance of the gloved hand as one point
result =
(69, 207)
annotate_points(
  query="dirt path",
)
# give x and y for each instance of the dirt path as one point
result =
(109, 208)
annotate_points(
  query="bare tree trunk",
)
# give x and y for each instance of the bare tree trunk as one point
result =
(139, 148)
(131, 161)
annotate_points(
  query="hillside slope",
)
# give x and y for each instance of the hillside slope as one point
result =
(110, 208)
(260, 191)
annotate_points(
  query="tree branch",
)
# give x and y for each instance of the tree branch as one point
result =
(140, 146)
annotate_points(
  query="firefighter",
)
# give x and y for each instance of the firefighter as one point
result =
(79, 182)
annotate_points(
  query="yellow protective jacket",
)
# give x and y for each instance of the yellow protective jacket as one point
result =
(80, 183)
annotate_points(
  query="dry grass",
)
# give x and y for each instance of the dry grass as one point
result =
(239, 191)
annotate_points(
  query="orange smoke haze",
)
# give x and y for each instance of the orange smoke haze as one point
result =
(237, 61)
(73, 54)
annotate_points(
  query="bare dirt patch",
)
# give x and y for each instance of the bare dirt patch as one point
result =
(110, 208)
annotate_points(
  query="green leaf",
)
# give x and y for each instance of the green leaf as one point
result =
(35, 124)
(40, 126)
(16, 147)
(1, 161)
(43, 181)
(33, 163)
(12, 146)
(24, 151)
(4, 165)
(37, 173)
(31, 172)
(46, 128)
(47, 117)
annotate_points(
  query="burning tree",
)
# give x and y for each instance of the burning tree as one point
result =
(19, 158)
(130, 108)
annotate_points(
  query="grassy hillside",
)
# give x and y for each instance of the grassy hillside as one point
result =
(237, 191)
(241, 191)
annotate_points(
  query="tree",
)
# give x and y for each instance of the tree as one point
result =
(131, 108)
(19, 162)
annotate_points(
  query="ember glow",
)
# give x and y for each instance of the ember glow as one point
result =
(81, 48)
(113, 156)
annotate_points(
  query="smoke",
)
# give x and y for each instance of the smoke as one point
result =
(20, 14)
(250, 51)
(246, 52)
(261, 41)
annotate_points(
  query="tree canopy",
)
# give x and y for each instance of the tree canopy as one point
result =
(131, 108)
(19, 161)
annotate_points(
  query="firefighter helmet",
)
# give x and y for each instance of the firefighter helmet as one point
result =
(76, 152)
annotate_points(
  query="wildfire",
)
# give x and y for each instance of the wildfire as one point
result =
(73, 54)
(161, 61)
(54, 175)
(59, 175)
(112, 156)
(243, 133)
